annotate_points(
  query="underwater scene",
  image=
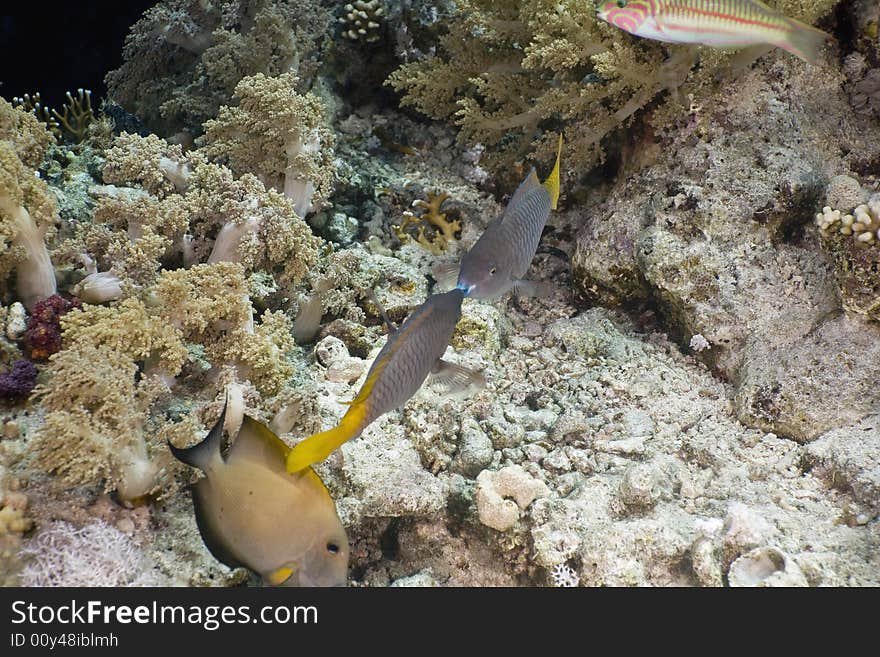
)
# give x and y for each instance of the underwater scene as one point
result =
(447, 293)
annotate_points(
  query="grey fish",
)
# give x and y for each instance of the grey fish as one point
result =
(251, 512)
(501, 257)
(411, 353)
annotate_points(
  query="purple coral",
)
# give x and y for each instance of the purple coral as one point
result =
(19, 381)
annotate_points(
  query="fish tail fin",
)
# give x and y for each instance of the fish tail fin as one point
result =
(804, 41)
(319, 446)
(201, 453)
(552, 182)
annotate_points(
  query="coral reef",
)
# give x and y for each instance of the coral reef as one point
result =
(27, 209)
(19, 380)
(512, 74)
(289, 146)
(691, 400)
(184, 58)
(722, 251)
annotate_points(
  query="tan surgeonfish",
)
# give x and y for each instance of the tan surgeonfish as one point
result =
(251, 512)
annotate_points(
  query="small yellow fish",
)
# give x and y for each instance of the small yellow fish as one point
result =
(251, 512)
(719, 23)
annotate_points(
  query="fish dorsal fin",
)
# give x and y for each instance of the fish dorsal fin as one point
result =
(199, 455)
(256, 442)
(529, 183)
(765, 7)
(552, 182)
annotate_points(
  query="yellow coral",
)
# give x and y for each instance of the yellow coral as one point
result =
(94, 426)
(511, 74)
(151, 162)
(252, 225)
(13, 520)
(127, 328)
(27, 208)
(25, 133)
(445, 230)
(210, 305)
(264, 355)
(289, 145)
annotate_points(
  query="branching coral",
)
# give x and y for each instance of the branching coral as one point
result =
(288, 145)
(184, 57)
(512, 74)
(851, 240)
(27, 208)
(361, 20)
(444, 230)
(74, 119)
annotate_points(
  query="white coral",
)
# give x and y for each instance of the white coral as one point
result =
(863, 223)
(494, 488)
(564, 576)
(95, 555)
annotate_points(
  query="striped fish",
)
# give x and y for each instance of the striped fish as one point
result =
(719, 23)
(501, 257)
(411, 353)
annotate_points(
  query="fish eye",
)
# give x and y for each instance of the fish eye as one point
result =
(332, 548)
(621, 3)
(493, 270)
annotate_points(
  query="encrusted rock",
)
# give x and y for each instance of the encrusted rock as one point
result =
(502, 494)
(765, 566)
(475, 450)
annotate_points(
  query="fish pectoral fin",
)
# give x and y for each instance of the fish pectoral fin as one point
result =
(457, 378)
(278, 576)
(524, 288)
(446, 274)
(389, 325)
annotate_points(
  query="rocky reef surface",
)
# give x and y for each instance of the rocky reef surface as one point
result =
(693, 402)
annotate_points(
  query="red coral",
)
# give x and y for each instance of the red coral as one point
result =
(43, 335)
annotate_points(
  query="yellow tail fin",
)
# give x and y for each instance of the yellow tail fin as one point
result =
(552, 182)
(319, 446)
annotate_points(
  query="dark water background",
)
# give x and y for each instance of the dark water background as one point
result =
(54, 47)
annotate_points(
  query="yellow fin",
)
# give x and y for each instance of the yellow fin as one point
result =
(319, 446)
(367, 388)
(279, 576)
(552, 182)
